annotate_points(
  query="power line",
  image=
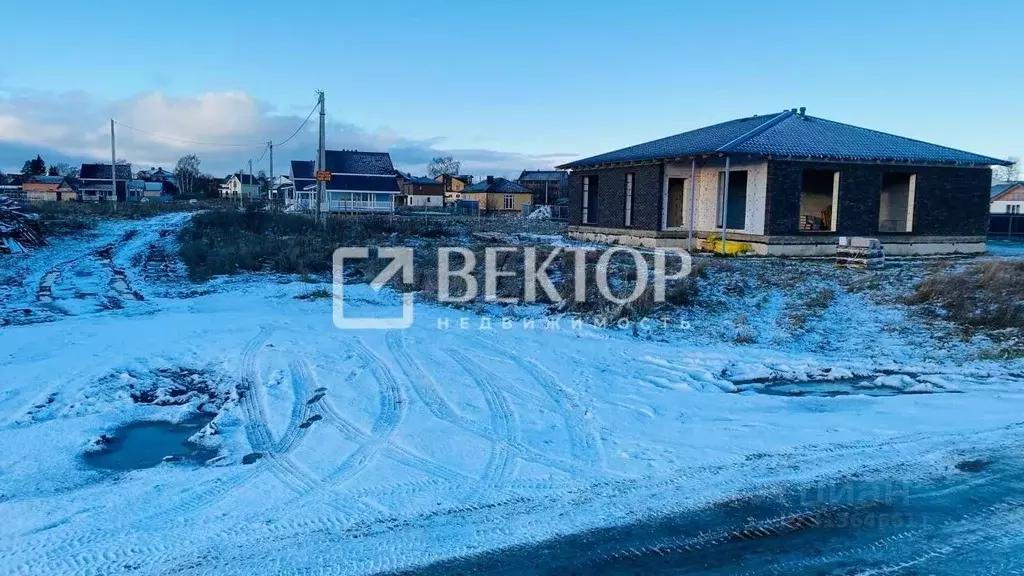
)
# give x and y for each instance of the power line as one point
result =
(265, 148)
(301, 126)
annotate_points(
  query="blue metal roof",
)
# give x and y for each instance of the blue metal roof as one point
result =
(355, 162)
(791, 135)
(363, 183)
(303, 169)
(1000, 188)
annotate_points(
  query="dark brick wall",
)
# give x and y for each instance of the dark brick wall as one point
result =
(611, 202)
(949, 201)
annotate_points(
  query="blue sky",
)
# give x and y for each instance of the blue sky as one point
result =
(504, 85)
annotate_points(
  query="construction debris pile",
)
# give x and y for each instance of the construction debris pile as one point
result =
(19, 231)
(862, 253)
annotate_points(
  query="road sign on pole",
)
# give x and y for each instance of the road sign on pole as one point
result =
(323, 175)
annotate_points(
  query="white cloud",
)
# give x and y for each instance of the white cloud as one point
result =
(155, 130)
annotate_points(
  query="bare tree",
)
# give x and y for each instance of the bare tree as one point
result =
(187, 170)
(443, 165)
(64, 169)
(1009, 173)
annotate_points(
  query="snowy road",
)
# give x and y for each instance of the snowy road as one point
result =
(371, 452)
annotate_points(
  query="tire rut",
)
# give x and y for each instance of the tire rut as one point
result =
(502, 461)
(428, 391)
(391, 411)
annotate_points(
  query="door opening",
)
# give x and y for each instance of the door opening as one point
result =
(675, 209)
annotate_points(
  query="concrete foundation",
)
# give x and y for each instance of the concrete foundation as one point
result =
(823, 245)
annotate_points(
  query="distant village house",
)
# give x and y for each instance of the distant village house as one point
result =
(498, 195)
(50, 189)
(548, 186)
(96, 185)
(421, 192)
(1007, 198)
(240, 184)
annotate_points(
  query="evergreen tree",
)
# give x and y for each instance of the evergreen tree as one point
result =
(35, 167)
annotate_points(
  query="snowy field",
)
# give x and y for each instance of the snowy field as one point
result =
(343, 452)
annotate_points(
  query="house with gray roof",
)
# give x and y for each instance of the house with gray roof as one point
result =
(241, 184)
(96, 182)
(784, 184)
(548, 186)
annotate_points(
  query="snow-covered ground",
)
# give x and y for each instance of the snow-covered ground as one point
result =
(345, 452)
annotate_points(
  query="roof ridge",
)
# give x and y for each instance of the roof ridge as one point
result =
(997, 161)
(759, 129)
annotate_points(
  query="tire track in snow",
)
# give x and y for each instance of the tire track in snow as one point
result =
(350, 431)
(390, 450)
(428, 391)
(294, 431)
(256, 428)
(391, 411)
(502, 462)
(393, 551)
(378, 548)
(736, 475)
(583, 433)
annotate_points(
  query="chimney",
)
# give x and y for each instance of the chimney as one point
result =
(490, 180)
(803, 110)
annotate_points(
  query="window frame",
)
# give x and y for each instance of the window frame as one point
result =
(585, 187)
(629, 185)
(510, 201)
(720, 200)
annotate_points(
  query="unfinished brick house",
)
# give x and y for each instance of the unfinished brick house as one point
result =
(786, 184)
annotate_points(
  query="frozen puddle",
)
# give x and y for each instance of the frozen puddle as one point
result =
(145, 444)
(868, 386)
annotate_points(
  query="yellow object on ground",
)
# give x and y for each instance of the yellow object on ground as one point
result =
(732, 248)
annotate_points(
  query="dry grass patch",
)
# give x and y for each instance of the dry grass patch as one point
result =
(983, 295)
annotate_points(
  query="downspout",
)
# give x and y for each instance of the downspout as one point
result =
(693, 200)
(725, 203)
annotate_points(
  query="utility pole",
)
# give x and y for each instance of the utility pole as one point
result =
(251, 181)
(693, 201)
(270, 186)
(113, 167)
(321, 159)
(239, 177)
(725, 203)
